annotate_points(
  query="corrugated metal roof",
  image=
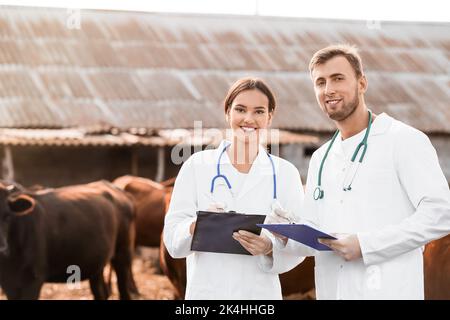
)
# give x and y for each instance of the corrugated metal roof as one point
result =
(113, 138)
(165, 71)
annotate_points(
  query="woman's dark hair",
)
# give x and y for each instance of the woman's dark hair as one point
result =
(249, 84)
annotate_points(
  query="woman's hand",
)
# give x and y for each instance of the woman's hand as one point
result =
(213, 207)
(253, 243)
(192, 227)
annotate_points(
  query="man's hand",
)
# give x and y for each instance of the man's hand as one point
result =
(279, 215)
(216, 207)
(253, 243)
(347, 247)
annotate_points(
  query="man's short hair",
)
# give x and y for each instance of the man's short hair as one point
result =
(349, 52)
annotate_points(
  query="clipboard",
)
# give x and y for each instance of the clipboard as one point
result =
(301, 233)
(213, 231)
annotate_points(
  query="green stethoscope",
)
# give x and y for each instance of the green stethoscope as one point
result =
(318, 191)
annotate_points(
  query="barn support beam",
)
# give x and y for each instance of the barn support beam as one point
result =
(161, 164)
(7, 164)
(134, 162)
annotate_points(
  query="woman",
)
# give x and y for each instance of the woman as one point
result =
(250, 171)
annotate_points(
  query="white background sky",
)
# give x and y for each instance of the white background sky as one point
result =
(401, 10)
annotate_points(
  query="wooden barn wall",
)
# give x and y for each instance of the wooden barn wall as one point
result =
(59, 166)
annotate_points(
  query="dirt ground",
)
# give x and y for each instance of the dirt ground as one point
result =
(151, 284)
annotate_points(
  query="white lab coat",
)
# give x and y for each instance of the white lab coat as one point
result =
(399, 201)
(230, 276)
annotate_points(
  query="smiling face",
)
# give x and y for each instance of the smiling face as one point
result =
(338, 90)
(248, 114)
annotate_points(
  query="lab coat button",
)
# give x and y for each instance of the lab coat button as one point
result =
(342, 201)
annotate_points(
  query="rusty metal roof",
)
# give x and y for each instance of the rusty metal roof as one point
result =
(110, 138)
(165, 71)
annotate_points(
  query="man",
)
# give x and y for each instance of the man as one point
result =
(383, 207)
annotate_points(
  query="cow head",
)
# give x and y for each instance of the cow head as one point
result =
(12, 204)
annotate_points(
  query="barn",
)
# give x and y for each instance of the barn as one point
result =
(116, 93)
(88, 95)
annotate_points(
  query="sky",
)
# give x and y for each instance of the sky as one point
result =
(392, 10)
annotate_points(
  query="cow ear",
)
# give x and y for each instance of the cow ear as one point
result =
(21, 205)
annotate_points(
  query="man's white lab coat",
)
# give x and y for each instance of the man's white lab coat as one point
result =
(399, 201)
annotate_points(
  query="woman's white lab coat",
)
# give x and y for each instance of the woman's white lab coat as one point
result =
(399, 201)
(230, 276)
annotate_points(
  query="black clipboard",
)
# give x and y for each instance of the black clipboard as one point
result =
(213, 231)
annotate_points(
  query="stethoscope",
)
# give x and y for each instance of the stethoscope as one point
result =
(318, 192)
(219, 175)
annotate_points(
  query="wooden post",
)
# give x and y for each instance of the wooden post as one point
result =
(161, 165)
(134, 161)
(7, 164)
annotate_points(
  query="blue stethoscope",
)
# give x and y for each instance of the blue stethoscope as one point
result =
(318, 192)
(219, 175)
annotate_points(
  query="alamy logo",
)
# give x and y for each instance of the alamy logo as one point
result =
(73, 281)
(73, 20)
(373, 278)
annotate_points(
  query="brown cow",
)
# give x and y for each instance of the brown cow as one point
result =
(437, 269)
(44, 234)
(174, 269)
(299, 282)
(149, 201)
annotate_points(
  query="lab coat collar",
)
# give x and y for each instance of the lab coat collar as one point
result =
(379, 126)
(261, 167)
(225, 158)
